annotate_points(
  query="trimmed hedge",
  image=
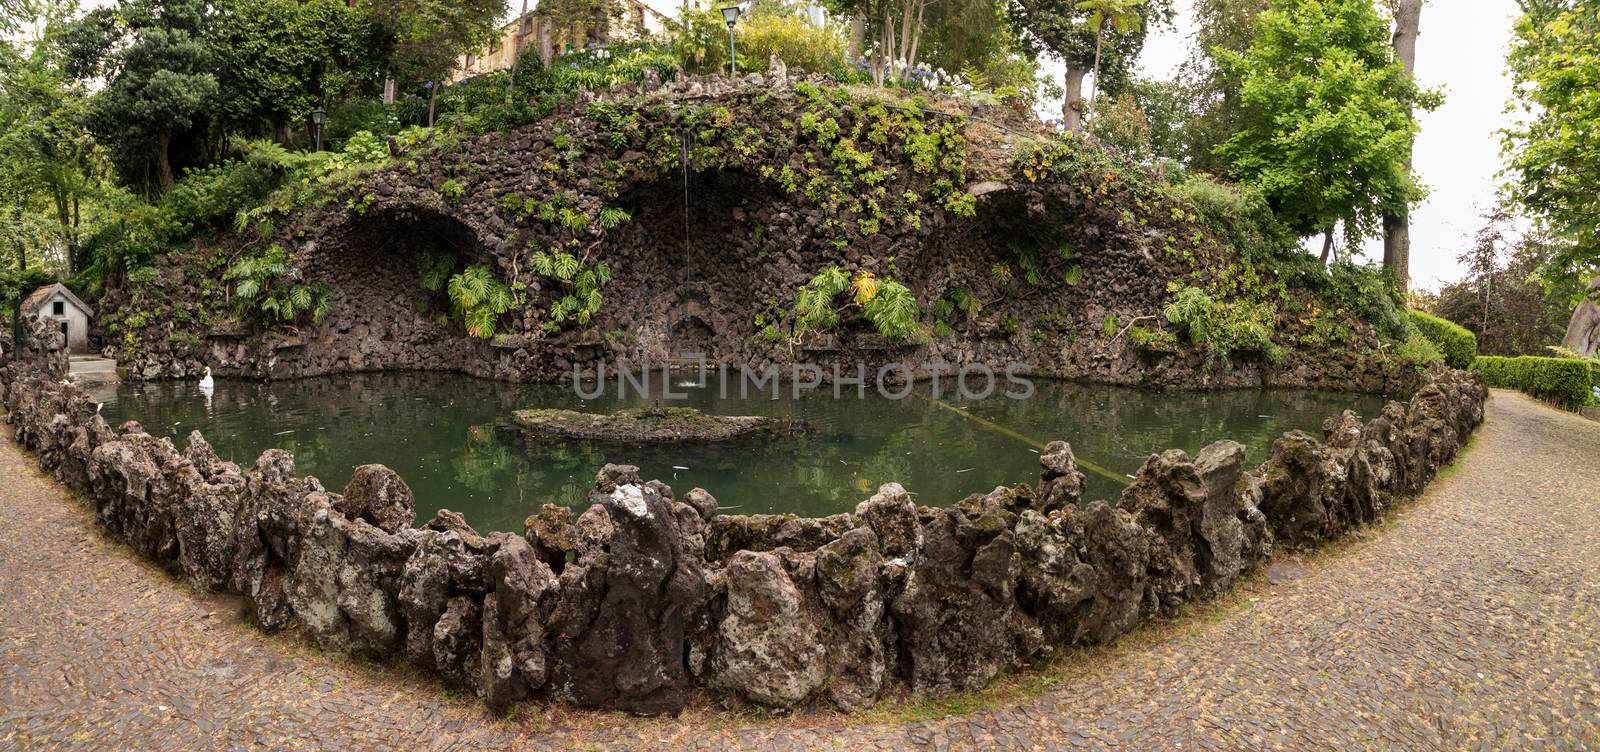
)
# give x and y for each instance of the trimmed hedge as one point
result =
(1563, 381)
(1459, 346)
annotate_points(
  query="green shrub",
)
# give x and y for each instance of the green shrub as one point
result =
(480, 299)
(765, 32)
(1222, 328)
(261, 287)
(1563, 381)
(1459, 346)
(892, 310)
(1418, 351)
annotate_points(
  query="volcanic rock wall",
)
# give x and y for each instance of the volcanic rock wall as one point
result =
(644, 595)
(1050, 239)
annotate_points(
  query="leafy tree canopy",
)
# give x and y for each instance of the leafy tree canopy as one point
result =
(1329, 125)
(1552, 161)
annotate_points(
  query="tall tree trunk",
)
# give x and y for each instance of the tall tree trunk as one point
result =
(69, 238)
(433, 98)
(1327, 244)
(1397, 224)
(1072, 106)
(164, 160)
(907, 14)
(516, 51)
(858, 36)
(1583, 332)
(1099, 37)
(916, 34)
(547, 47)
(22, 246)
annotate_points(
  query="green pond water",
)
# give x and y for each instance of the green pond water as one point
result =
(440, 432)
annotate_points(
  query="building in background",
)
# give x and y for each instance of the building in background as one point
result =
(548, 36)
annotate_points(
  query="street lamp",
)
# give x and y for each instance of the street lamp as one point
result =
(731, 15)
(318, 117)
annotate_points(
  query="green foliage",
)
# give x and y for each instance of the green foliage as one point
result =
(1241, 217)
(452, 191)
(1222, 328)
(765, 31)
(1459, 346)
(1122, 127)
(814, 302)
(886, 304)
(1111, 326)
(480, 299)
(437, 266)
(277, 60)
(1155, 340)
(1549, 147)
(583, 298)
(1330, 131)
(893, 310)
(1564, 381)
(613, 217)
(1418, 351)
(262, 287)
(160, 92)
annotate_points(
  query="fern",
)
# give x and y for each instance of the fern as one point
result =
(893, 311)
(613, 217)
(565, 266)
(865, 287)
(437, 266)
(1001, 271)
(480, 298)
(813, 306)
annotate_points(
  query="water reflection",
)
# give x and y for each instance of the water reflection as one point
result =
(440, 432)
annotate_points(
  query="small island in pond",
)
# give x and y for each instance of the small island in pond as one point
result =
(650, 425)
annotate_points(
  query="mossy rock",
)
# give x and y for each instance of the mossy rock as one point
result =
(651, 425)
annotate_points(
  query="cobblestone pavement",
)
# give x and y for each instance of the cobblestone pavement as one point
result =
(1470, 621)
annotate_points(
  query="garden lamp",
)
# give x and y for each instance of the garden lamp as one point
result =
(318, 117)
(731, 15)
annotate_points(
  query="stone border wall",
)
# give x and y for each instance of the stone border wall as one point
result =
(645, 595)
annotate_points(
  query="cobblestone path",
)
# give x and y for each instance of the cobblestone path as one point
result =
(1471, 620)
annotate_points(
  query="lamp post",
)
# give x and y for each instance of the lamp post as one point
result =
(731, 15)
(318, 117)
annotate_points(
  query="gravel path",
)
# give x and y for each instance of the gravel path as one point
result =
(1470, 621)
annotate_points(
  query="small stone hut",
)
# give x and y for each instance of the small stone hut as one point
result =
(57, 303)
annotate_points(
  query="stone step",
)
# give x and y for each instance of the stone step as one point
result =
(93, 365)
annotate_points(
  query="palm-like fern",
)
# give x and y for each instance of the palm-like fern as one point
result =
(480, 298)
(813, 304)
(893, 311)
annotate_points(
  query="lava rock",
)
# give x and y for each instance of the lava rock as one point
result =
(379, 496)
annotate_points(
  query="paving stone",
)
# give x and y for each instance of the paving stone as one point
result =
(1471, 621)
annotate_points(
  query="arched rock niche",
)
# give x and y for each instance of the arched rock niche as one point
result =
(381, 318)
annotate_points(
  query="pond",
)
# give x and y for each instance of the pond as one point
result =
(441, 433)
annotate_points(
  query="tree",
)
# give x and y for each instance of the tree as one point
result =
(277, 60)
(1210, 94)
(160, 93)
(1121, 16)
(1328, 118)
(1061, 28)
(1501, 299)
(1397, 222)
(1549, 149)
(52, 164)
(429, 35)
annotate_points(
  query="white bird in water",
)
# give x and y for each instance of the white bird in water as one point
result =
(207, 385)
